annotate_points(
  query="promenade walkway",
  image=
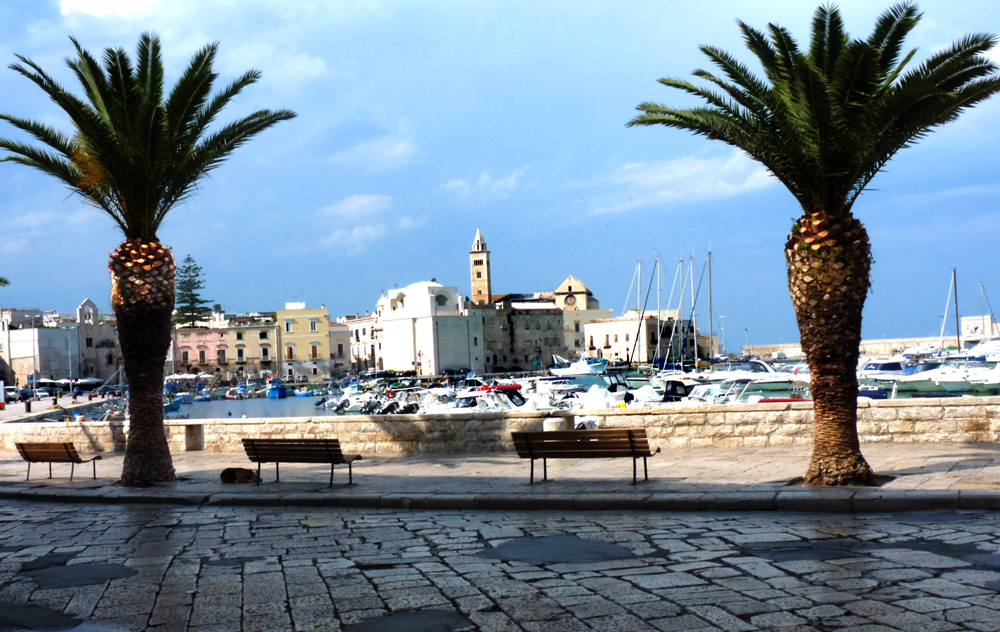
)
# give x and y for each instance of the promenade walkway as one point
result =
(924, 476)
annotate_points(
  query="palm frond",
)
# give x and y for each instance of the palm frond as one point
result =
(134, 154)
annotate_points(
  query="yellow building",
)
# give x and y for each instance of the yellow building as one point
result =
(253, 349)
(304, 342)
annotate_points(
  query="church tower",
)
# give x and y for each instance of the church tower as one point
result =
(479, 260)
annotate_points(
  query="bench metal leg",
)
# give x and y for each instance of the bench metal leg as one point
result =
(545, 469)
(50, 470)
(634, 470)
(258, 472)
(95, 468)
(531, 481)
(72, 466)
(331, 475)
(350, 475)
(645, 469)
(277, 473)
(28, 478)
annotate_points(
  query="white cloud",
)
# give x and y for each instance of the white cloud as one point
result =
(486, 186)
(354, 240)
(409, 223)
(276, 63)
(684, 180)
(355, 207)
(101, 8)
(381, 154)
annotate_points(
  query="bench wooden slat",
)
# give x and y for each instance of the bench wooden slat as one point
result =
(298, 451)
(51, 452)
(584, 444)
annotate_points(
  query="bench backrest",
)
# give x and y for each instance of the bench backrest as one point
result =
(581, 444)
(48, 452)
(293, 450)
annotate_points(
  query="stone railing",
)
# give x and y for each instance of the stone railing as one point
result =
(671, 426)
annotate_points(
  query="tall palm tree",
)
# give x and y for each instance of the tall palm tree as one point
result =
(4, 282)
(135, 154)
(824, 122)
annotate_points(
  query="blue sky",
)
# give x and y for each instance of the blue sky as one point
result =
(420, 120)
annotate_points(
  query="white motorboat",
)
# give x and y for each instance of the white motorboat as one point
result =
(583, 366)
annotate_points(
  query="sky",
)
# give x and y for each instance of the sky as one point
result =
(420, 120)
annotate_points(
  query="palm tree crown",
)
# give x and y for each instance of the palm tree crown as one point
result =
(135, 155)
(824, 122)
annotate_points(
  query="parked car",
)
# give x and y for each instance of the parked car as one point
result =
(303, 378)
(11, 394)
(42, 392)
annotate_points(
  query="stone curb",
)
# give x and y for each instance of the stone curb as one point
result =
(798, 500)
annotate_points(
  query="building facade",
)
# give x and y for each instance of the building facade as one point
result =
(304, 342)
(644, 340)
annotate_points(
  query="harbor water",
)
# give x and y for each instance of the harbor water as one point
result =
(256, 407)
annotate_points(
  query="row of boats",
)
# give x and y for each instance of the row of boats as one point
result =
(586, 384)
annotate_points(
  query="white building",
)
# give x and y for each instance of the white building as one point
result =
(426, 328)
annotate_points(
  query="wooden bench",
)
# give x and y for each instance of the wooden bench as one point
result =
(299, 451)
(584, 444)
(53, 453)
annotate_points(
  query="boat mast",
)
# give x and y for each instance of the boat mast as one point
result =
(656, 356)
(638, 289)
(944, 317)
(982, 310)
(694, 319)
(958, 322)
(711, 337)
(680, 313)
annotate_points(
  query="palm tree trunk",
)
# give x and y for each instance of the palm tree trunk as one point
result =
(142, 296)
(828, 277)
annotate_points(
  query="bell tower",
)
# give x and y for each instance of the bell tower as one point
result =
(479, 262)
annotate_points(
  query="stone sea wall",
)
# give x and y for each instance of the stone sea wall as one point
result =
(743, 425)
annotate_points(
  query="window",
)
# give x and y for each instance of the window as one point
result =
(265, 354)
(475, 341)
(616, 337)
(201, 356)
(185, 358)
(569, 288)
(479, 292)
(263, 335)
(314, 351)
(239, 354)
(90, 343)
(626, 337)
(315, 371)
(479, 275)
(313, 324)
(239, 335)
(222, 356)
(290, 374)
(340, 350)
(110, 359)
(288, 326)
(576, 327)
(289, 352)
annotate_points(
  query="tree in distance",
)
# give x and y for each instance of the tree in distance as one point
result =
(190, 307)
(824, 122)
(135, 153)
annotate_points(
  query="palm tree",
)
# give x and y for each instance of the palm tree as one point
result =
(4, 282)
(135, 154)
(824, 122)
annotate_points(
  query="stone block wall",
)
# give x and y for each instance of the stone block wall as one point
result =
(742, 425)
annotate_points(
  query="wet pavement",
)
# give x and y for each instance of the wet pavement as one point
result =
(157, 567)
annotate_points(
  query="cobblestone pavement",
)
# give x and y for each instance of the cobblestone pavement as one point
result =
(260, 568)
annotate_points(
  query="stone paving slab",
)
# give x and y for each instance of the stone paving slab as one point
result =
(926, 476)
(222, 569)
